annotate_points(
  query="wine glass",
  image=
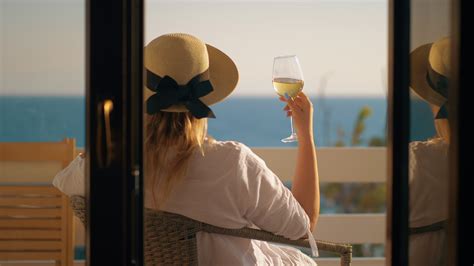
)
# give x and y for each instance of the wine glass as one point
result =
(288, 82)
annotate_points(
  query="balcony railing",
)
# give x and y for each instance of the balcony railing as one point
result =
(336, 165)
(340, 165)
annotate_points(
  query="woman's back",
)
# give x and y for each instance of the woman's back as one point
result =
(428, 182)
(230, 186)
(428, 200)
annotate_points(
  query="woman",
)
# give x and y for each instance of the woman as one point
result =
(429, 159)
(220, 182)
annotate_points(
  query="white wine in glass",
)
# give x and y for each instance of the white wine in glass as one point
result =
(288, 82)
(288, 87)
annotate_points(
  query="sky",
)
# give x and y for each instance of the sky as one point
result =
(342, 43)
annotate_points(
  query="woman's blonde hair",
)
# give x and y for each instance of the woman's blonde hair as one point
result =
(170, 141)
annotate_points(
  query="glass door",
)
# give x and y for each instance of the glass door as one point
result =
(429, 139)
(70, 132)
(42, 131)
(428, 180)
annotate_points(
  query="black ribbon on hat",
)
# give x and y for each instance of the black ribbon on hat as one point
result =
(169, 93)
(440, 84)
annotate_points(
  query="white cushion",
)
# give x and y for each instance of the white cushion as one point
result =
(71, 179)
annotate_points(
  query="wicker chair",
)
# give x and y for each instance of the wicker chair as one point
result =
(171, 238)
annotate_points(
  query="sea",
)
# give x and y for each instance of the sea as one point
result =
(254, 121)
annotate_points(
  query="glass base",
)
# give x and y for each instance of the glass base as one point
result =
(291, 138)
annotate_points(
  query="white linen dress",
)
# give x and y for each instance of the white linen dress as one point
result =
(428, 200)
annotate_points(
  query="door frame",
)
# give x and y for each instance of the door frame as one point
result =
(114, 62)
(460, 231)
(396, 248)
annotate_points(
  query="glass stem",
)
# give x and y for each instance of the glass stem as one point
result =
(293, 131)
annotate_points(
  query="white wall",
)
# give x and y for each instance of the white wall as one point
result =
(430, 21)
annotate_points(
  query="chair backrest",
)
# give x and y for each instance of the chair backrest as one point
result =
(35, 224)
(34, 162)
(170, 239)
(35, 218)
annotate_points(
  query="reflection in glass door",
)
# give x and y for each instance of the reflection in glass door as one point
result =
(430, 71)
(42, 130)
(428, 180)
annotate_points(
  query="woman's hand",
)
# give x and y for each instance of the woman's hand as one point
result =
(301, 109)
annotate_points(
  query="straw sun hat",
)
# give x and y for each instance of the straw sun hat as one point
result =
(430, 72)
(186, 74)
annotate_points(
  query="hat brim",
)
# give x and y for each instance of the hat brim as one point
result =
(419, 61)
(223, 75)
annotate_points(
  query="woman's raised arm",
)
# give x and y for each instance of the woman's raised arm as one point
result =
(305, 187)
